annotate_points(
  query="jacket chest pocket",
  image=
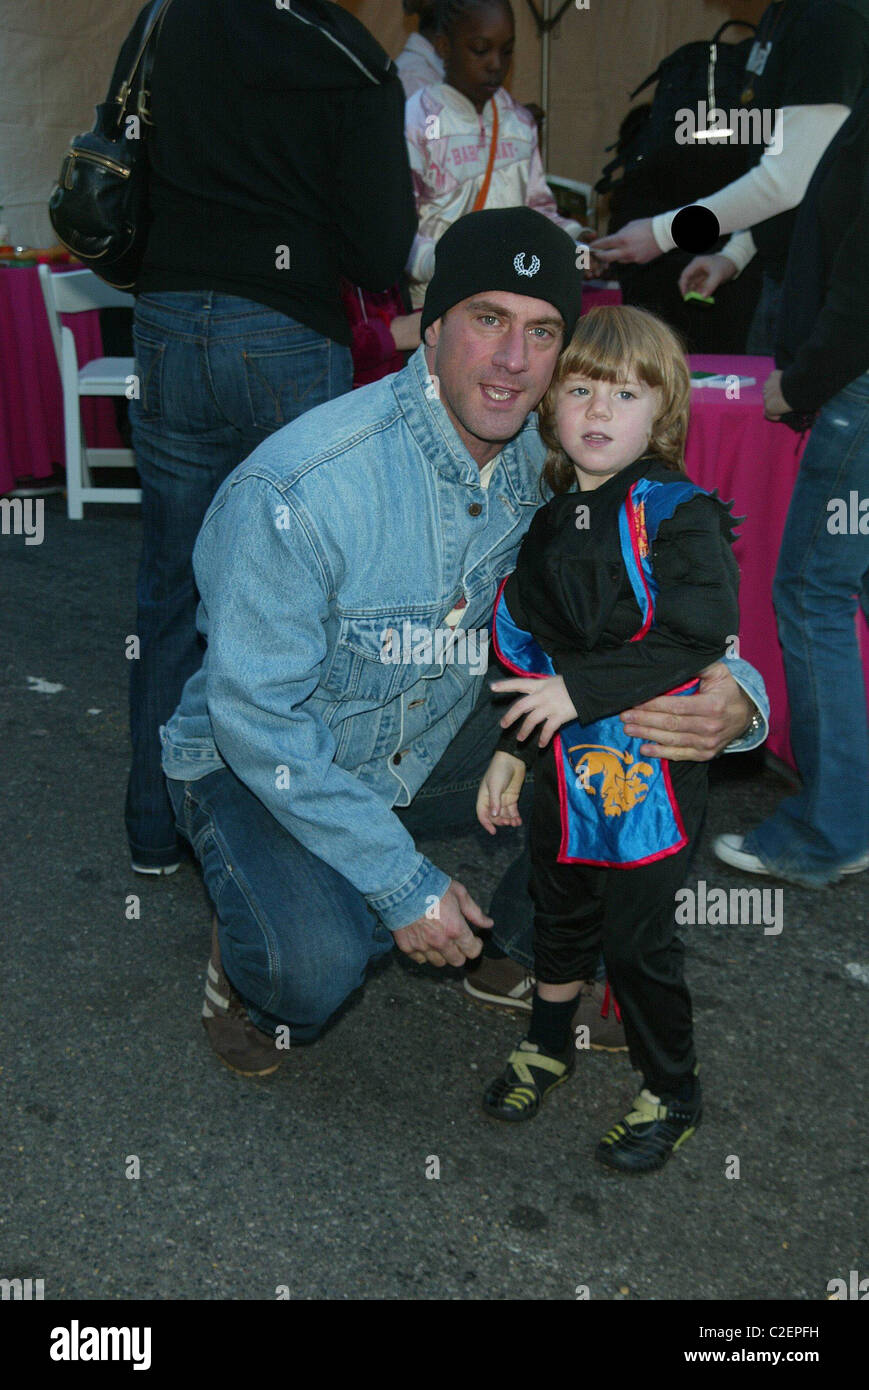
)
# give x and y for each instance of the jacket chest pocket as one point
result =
(377, 658)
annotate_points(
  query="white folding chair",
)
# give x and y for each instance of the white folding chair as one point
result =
(75, 292)
(555, 181)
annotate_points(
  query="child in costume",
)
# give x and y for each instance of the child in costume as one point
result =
(470, 145)
(625, 588)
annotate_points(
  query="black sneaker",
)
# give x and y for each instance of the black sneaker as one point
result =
(529, 1076)
(655, 1128)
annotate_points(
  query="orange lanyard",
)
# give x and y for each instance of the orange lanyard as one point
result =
(480, 200)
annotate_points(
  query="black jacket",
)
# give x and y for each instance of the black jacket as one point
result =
(822, 337)
(571, 590)
(819, 54)
(273, 128)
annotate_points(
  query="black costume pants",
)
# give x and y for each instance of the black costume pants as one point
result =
(629, 915)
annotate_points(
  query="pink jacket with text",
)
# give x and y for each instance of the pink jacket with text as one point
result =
(448, 145)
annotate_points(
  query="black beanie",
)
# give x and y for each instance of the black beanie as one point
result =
(513, 249)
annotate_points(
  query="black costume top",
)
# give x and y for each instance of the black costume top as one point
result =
(571, 590)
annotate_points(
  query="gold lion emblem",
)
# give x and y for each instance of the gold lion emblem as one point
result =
(621, 784)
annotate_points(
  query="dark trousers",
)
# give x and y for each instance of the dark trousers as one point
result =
(628, 914)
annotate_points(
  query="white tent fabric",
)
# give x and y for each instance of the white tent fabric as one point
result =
(56, 57)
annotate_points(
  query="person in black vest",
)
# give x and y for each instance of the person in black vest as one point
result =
(822, 355)
(808, 65)
(278, 164)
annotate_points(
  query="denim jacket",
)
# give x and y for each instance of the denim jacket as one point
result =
(344, 540)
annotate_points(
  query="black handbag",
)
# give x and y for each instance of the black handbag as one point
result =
(98, 207)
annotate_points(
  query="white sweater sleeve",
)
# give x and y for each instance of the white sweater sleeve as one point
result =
(778, 181)
(740, 249)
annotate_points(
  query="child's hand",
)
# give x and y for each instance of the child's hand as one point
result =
(499, 792)
(546, 702)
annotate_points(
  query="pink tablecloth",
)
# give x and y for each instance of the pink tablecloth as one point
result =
(594, 294)
(732, 447)
(31, 405)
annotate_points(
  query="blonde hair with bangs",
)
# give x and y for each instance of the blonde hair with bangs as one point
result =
(613, 343)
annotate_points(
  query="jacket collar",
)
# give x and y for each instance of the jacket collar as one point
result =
(417, 44)
(456, 101)
(438, 440)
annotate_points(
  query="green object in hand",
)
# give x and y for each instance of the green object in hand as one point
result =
(701, 298)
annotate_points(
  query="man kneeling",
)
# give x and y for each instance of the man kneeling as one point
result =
(303, 759)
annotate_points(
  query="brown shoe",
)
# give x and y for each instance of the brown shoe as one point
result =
(240, 1045)
(501, 983)
(600, 1013)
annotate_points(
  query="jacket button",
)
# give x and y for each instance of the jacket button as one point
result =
(474, 509)
(396, 757)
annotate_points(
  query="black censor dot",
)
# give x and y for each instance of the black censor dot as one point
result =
(695, 229)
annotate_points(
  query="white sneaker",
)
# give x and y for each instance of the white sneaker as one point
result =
(155, 868)
(729, 849)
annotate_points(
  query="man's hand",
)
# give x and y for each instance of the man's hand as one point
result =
(774, 403)
(546, 702)
(633, 244)
(692, 728)
(445, 938)
(704, 274)
(497, 799)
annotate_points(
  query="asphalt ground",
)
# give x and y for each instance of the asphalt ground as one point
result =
(314, 1181)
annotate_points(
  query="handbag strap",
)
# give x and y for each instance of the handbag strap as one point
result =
(146, 50)
(480, 200)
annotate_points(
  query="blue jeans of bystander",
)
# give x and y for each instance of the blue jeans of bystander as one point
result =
(822, 569)
(217, 375)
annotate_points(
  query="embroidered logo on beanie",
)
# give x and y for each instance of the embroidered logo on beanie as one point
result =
(519, 264)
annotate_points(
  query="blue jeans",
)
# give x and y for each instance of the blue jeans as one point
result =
(217, 375)
(296, 938)
(819, 577)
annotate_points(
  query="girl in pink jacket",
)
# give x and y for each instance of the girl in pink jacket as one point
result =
(470, 144)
